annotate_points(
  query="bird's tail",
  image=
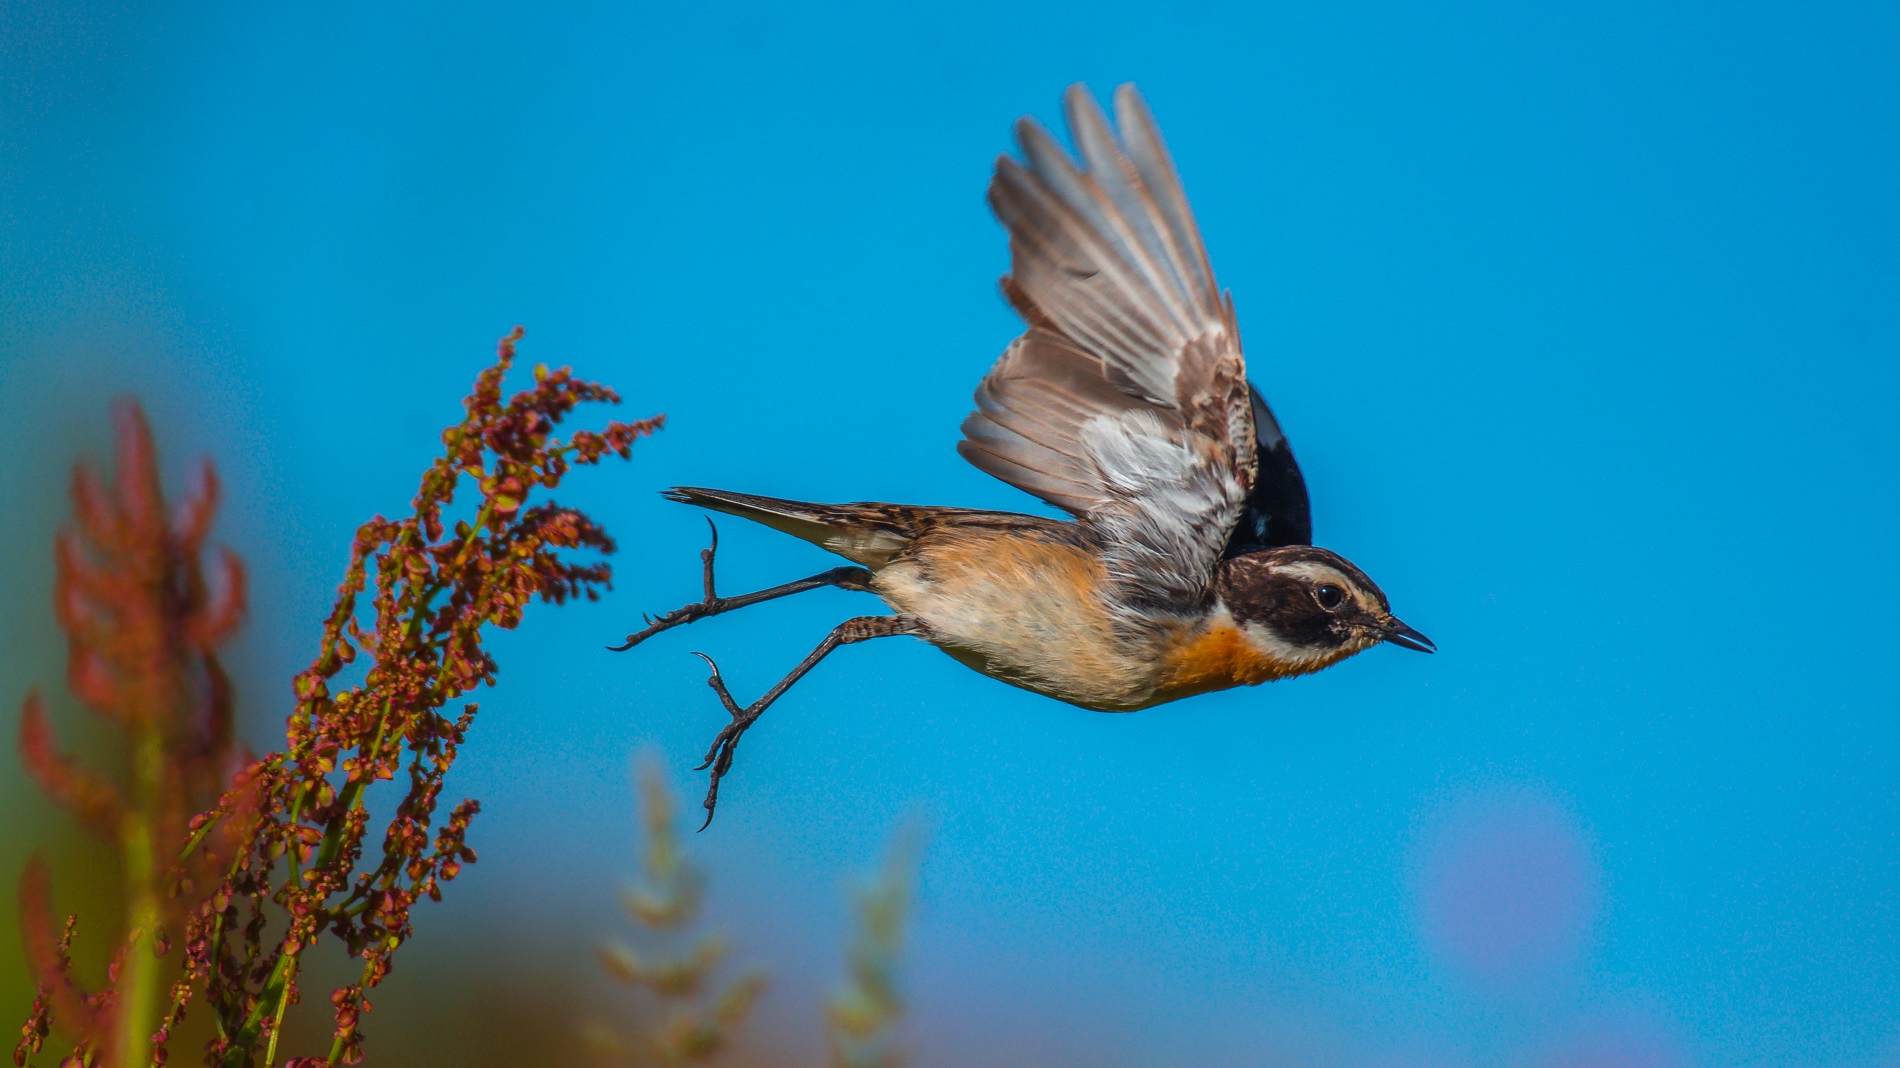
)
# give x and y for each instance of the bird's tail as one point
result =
(865, 534)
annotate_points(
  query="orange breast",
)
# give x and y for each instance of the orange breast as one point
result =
(1219, 658)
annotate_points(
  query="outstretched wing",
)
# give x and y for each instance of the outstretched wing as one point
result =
(1126, 402)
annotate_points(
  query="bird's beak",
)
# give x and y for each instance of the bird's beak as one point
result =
(1399, 634)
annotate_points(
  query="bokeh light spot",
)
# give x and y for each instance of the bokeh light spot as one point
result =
(1507, 886)
(1624, 1044)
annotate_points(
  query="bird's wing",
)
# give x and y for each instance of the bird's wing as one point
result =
(1126, 402)
(1277, 511)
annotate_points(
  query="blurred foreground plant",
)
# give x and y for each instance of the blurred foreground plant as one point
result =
(142, 630)
(864, 1015)
(289, 856)
(689, 1029)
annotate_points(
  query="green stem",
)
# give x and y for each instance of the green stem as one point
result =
(277, 1020)
(139, 979)
(274, 988)
(362, 984)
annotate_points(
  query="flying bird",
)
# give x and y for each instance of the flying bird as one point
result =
(1188, 564)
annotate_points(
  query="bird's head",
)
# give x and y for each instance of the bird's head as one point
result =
(1307, 607)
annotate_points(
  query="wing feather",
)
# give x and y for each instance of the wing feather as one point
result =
(1138, 211)
(1126, 402)
(1162, 183)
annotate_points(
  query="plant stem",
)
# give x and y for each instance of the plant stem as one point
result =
(277, 1021)
(138, 983)
(277, 983)
(369, 965)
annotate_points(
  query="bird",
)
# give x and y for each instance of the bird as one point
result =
(1186, 563)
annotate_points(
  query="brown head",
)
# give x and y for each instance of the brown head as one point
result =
(1307, 607)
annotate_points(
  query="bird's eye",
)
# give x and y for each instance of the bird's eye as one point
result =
(1329, 596)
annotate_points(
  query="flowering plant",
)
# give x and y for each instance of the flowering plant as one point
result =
(284, 858)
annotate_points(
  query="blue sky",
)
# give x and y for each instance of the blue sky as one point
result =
(1582, 318)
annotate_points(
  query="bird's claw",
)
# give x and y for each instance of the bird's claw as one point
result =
(719, 756)
(707, 606)
(656, 624)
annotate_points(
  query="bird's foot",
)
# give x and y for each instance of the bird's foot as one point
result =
(719, 757)
(710, 605)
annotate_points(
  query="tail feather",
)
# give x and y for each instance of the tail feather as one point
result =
(865, 534)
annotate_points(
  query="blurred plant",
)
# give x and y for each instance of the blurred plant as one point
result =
(142, 629)
(689, 1029)
(289, 853)
(865, 1014)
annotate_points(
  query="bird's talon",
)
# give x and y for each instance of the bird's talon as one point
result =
(706, 558)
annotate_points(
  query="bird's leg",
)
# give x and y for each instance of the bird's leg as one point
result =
(851, 631)
(849, 578)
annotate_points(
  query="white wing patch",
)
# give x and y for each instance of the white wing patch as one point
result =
(1169, 500)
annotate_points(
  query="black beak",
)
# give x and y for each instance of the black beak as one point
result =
(1399, 634)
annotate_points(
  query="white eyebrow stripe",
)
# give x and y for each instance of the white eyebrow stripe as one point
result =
(1314, 571)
